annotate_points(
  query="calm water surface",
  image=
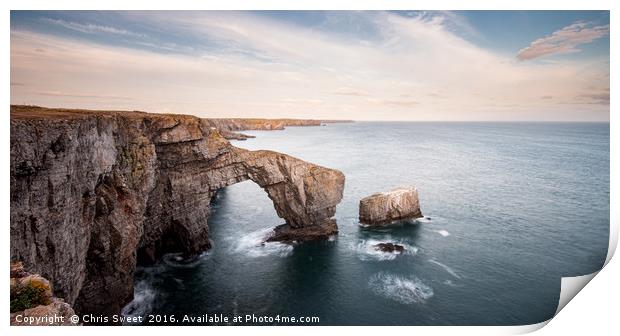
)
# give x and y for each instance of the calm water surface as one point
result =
(513, 206)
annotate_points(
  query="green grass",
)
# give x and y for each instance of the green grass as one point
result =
(27, 296)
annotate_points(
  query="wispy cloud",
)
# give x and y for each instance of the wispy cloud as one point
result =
(399, 103)
(346, 91)
(565, 40)
(81, 95)
(601, 97)
(91, 28)
(267, 67)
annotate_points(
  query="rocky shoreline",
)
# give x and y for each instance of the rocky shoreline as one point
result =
(95, 192)
(230, 128)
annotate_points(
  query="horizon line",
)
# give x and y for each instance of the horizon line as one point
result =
(327, 120)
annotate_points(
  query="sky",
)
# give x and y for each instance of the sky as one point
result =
(360, 65)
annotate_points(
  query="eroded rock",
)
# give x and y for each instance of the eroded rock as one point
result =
(94, 191)
(35, 292)
(57, 313)
(390, 248)
(386, 207)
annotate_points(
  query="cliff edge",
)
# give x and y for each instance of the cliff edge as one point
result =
(93, 192)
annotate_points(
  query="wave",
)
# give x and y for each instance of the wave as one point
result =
(387, 227)
(144, 297)
(451, 284)
(425, 219)
(446, 268)
(398, 288)
(254, 245)
(366, 250)
(443, 233)
(255, 208)
(178, 261)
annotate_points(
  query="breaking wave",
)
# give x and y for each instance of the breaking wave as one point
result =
(443, 233)
(177, 260)
(254, 245)
(425, 219)
(398, 288)
(366, 250)
(144, 294)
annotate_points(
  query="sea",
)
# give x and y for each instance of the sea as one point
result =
(510, 209)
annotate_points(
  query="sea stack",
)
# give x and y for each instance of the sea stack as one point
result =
(386, 207)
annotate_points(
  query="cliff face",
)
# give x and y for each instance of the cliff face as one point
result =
(242, 124)
(93, 191)
(229, 128)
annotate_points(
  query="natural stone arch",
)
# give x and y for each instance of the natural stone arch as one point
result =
(110, 184)
(304, 195)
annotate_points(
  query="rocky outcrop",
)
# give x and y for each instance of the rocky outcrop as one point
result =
(386, 207)
(246, 124)
(32, 301)
(93, 192)
(390, 248)
(228, 135)
(229, 128)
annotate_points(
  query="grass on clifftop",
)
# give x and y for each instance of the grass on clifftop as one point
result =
(28, 296)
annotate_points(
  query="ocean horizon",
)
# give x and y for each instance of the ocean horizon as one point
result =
(509, 208)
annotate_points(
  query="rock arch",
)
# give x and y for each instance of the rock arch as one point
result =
(304, 195)
(91, 191)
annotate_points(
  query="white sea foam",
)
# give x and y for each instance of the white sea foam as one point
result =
(387, 227)
(446, 268)
(405, 290)
(423, 220)
(443, 233)
(255, 208)
(177, 260)
(143, 300)
(366, 250)
(254, 245)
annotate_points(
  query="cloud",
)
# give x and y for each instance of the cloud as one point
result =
(563, 41)
(459, 23)
(594, 98)
(90, 28)
(263, 67)
(406, 103)
(344, 91)
(436, 94)
(81, 95)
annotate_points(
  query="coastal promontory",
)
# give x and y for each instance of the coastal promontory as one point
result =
(94, 193)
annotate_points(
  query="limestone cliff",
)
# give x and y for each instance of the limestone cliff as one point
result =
(94, 191)
(229, 128)
(245, 124)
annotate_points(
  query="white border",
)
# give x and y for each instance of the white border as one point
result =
(594, 310)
